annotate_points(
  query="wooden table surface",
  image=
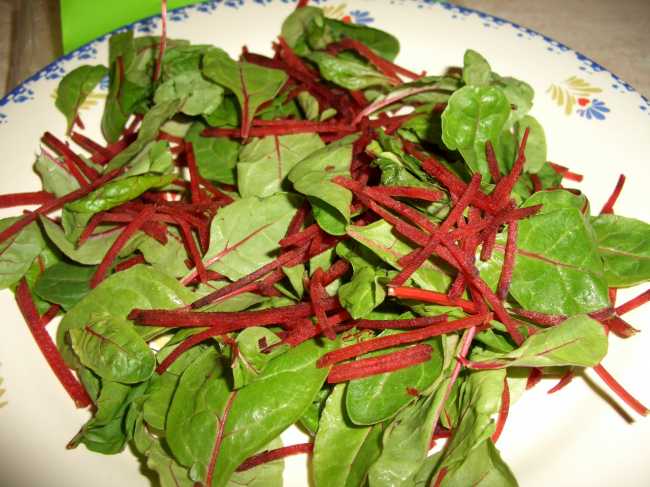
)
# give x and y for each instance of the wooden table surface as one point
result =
(614, 33)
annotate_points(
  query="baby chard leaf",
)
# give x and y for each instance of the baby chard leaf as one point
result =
(624, 245)
(335, 466)
(113, 349)
(64, 283)
(18, 252)
(75, 87)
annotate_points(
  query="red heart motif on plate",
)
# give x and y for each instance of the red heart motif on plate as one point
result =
(583, 101)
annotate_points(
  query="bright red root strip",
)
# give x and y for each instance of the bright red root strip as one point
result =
(493, 164)
(299, 238)
(100, 154)
(539, 318)
(130, 262)
(489, 241)
(254, 276)
(620, 391)
(50, 314)
(216, 192)
(383, 65)
(563, 382)
(633, 303)
(537, 183)
(612, 292)
(192, 249)
(503, 411)
(277, 454)
(459, 208)
(417, 335)
(389, 362)
(30, 198)
(415, 260)
(55, 205)
(440, 477)
(119, 243)
(422, 194)
(69, 155)
(185, 345)
(420, 322)
(431, 297)
(195, 191)
(534, 377)
(47, 346)
(608, 207)
(501, 194)
(336, 270)
(237, 319)
(619, 327)
(565, 173)
(298, 220)
(508, 262)
(163, 40)
(317, 293)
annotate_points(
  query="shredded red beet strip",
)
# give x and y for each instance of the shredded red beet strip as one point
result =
(565, 172)
(612, 293)
(419, 322)
(35, 323)
(543, 319)
(493, 164)
(317, 294)
(301, 237)
(261, 272)
(69, 155)
(414, 261)
(620, 391)
(422, 194)
(55, 205)
(431, 297)
(489, 241)
(185, 345)
(50, 314)
(389, 362)
(389, 100)
(459, 208)
(99, 153)
(195, 191)
(336, 270)
(29, 198)
(130, 262)
(633, 303)
(501, 193)
(534, 377)
(69, 164)
(563, 382)
(238, 319)
(298, 220)
(503, 411)
(119, 243)
(276, 454)
(442, 473)
(608, 207)
(195, 255)
(417, 335)
(537, 183)
(508, 262)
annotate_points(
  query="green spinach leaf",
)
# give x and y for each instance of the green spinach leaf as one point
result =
(75, 87)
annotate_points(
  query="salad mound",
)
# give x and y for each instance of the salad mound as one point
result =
(322, 238)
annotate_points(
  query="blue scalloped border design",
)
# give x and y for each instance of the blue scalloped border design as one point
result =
(55, 70)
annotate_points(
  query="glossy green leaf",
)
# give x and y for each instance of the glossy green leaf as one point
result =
(245, 234)
(138, 287)
(309, 105)
(383, 43)
(75, 87)
(250, 360)
(114, 193)
(216, 157)
(251, 84)
(265, 475)
(64, 283)
(362, 293)
(169, 258)
(55, 178)
(113, 349)
(519, 94)
(536, 144)
(476, 70)
(474, 116)
(348, 73)
(379, 397)
(199, 96)
(336, 466)
(558, 199)
(312, 177)
(624, 245)
(579, 341)
(265, 162)
(18, 252)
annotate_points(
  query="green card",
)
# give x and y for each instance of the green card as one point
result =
(84, 20)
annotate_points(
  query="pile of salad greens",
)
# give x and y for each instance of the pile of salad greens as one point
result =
(319, 238)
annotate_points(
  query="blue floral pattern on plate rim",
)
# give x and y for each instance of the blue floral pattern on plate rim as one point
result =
(56, 70)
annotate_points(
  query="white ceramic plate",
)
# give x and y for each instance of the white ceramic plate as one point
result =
(595, 123)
